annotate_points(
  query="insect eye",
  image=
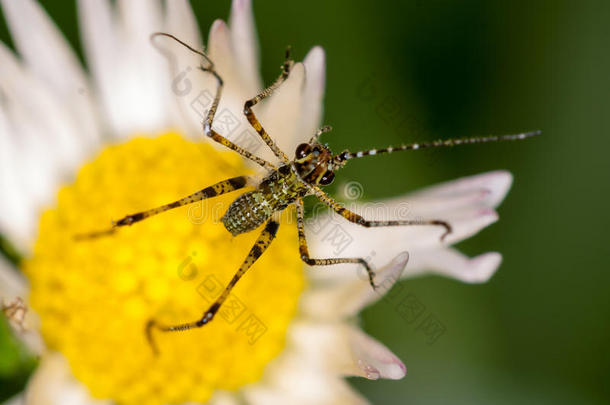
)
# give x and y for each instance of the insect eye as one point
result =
(303, 150)
(327, 178)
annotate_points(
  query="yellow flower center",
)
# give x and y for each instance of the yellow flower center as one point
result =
(95, 297)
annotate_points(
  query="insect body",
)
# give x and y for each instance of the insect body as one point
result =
(278, 190)
(312, 167)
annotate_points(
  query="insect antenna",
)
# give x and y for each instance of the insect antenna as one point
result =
(347, 155)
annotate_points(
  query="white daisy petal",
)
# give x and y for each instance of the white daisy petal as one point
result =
(313, 93)
(37, 129)
(333, 236)
(487, 189)
(53, 384)
(47, 54)
(450, 262)
(372, 359)
(347, 298)
(12, 284)
(183, 65)
(41, 44)
(181, 22)
(229, 121)
(17, 209)
(221, 52)
(16, 400)
(245, 45)
(39, 173)
(223, 398)
(290, 379)
(335, 392)
(344, 348)
(131, 75)
(102, 47)
(146, 78)
(51, 122)
(280, 114)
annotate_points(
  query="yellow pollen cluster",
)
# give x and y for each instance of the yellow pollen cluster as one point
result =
(94, 297)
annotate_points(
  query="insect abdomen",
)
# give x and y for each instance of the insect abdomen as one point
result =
(246, 213)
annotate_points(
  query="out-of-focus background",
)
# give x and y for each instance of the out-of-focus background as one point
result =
(415, 70)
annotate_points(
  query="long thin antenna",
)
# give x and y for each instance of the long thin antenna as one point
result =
(347, 155)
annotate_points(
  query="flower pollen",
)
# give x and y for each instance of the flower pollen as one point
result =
(94, 297)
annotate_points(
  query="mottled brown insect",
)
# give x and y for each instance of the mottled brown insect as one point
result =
(15, 312)
(313, 166)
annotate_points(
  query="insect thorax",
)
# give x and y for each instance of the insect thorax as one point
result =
(250, 210)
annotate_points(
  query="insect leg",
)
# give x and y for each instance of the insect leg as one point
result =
(304, 251)
(207, 126)
(261, 244)
(211, 133)
(222, 187)
(357, 219)
(266, 93)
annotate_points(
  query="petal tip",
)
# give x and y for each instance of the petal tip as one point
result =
(485, 266)
(315, 54)
(241, 5)
(218, 26)
(482, 268)
(401, 259)
(489, 214)
(374, 360)
(396, 371)
(499, 183)
(391, 273)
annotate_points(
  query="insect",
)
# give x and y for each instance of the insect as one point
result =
(15, 312)
(312, 167)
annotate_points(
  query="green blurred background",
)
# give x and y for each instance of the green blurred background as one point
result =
(414, 70)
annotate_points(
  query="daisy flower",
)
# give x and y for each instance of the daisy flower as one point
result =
(79, 149)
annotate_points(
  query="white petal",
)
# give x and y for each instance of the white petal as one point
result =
(102, 45)
(313, 93)
(49, 57)
(345, 299)
(373, 360)
(186, 78)
(145, 69)
(181, 23)
(333, 236)
(466, 204)
(245, 45)
(53, 384)
(18, 214)
(16, 400)
(290, 380)
(131, 75)
(486, 189)
(223, 398)
(452, 263)
(36, 128)
(322, 390)
(229, 121)
(35, 105)
(12, 283)
(221, 52)
(280, 114)
(345, 349)
(41, 44)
